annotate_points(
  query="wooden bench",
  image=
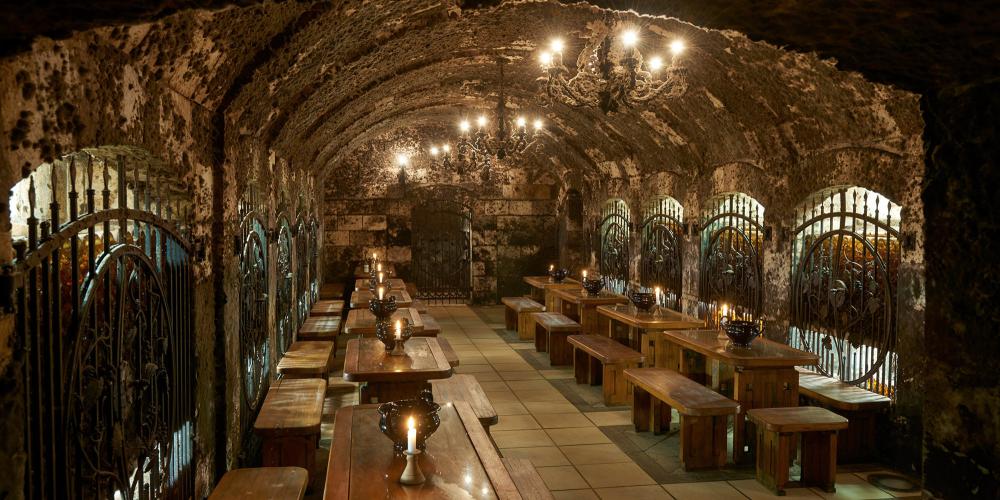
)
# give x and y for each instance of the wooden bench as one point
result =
(448, 351)
(264, 483)
(776, 429)
(526, 479)
(551, 330)
(861, 408)
(465, 387)
(517, 315)
(307, 359)
(704, 413)
(320, 328)
(289, 422)
(431, 327)
(327, 308)
(331, 291)
(419, 305)
(591, 351)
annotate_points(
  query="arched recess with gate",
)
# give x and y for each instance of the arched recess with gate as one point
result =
(442, 251)
(303, 299)
(104, 328)
(283, 274)
(732, 261)
(662, 232)
(615, 233)
(254, 344)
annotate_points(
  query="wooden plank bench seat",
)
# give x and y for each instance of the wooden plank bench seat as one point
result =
(289, 422)
(517, 315)
(704, 413)
(551, 330)
(320, 328)
(419, 305)
(526, 479)
(776, 429)
(465, 387)
(331, 291)
(431, 326)
(592, 351)
(448, 351)
(307, 359)
(327, 308)
(264, 483)
(861, 408)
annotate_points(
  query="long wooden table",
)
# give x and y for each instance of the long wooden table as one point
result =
(578, 304)
(541, 286)
(361, 298)
(362, 321)
(387, 267)
(643, 330)
(762, 376)
(460, 460)
(390, 284)
(389, 378)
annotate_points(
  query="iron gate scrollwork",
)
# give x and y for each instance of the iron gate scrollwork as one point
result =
(283, 304)
(254, 346)
(302, 270)
(442, 232)
(662, 231)
(104, 333)
(732, 253)
(314, 259)
(614, 230)
(845, 260)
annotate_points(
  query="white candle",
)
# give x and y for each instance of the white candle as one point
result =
(411, 436)
(552, 267)
(584, 274)
(381, 291)
(657, 292)
(380, 277)
(725, 310)
(378, 267)
(399, 329)
(374, 256)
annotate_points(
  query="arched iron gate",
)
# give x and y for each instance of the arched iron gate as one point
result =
(662, 231)
(283, 304)
(314, 259)
(731, 265)
(105, 338)
(442, 232)
(254, 346)
(302, 295)
(845, 260)
(615, 230)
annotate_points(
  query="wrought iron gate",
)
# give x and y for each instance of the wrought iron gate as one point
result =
(662, 231)
(732, 238)
(302, 269)
(442, 253)
(283, 304)
(105, 338)
(615, 228)
(314, 258)
(845, 260)
(254, 348)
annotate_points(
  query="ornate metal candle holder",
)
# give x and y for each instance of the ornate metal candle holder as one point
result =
(741, 332)
(370, 263)
(383, 309)
(642, 301)
(393, 416)
(559, 275)
(405, 333)
(593, 285)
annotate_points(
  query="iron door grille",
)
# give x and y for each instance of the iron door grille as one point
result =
(662, 231)
(254, 347)
(614, 229)
(442, 253)
(732, 253)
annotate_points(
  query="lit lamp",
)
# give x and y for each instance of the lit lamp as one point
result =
(402, 160)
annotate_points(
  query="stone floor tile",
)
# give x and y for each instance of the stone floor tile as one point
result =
(512, 408)
(521, 375)
(577, 435)
(852, 487)
(610, 418)
(587, 454)
(540, 456)
(648, 492)
(521, 439)
(541, 408)
(561, 478)
(558, 420)
(716, 490)
(575, 495)
(615, 475)
(515, 423)
(756, 491)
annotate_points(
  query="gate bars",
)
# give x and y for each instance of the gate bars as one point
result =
(662, 230)
(104, 336)
(442, 251)
(614, 229)
(731, 264)
(254, 345)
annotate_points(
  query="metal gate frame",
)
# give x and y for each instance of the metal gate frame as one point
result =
(662, 232)
(731, 266)
(429, 272)
(615, 230)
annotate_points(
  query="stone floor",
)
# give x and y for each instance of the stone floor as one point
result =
(581, 448)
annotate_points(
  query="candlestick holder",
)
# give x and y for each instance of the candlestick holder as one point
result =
(412, 473)
(383, 309)
(593, 285)
(393, 418)
(405, 333)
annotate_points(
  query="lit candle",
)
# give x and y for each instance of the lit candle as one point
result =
(381, 291)
(381, 276)
(725, 310)
(411, 436)
(378, 267)
(374, 256)
(584, 274)
(399, 329)
(657, 293)
(552, 267)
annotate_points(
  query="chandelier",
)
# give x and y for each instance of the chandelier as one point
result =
(611, 72)
(486, 150)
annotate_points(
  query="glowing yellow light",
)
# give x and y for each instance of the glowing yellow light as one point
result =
(630, 38)
(481, 121)
(402, 160)
(464, 126)
(677, 46)
(521, 121)
(538, 124)
(545, 58)
(446, 148)
(434, 150)
(655, 63)
(556, 45)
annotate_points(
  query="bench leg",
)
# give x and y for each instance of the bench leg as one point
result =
(703, 442)
(616, 387)
(773, 457)
(641, 409)
(581, 366)
(509, 319)
(559, 348)
(540, 339)
(526, 326)
(819, 459)
(660, 417)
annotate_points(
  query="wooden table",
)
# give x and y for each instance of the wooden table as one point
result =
(644, 330)
(460, 461)
(763, 376)
(361, 298)
(389, 378)
(391, 283)
(362, 321)
(542, 285)
(263, 483)
(387, 267)
(578, 304)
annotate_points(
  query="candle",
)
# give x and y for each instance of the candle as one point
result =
(378, 267)
(552, 267)
(725, 310)
(411, 436)
(381, 291)
(584, 274)
(399, 329)
(657, 293)
(380, 277)
(374, 256)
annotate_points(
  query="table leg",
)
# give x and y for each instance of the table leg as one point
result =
(773, 460)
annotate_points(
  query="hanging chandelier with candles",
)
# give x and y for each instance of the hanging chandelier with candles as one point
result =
(612, 73)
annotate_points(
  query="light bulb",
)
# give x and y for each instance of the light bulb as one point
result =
(402, 160)
(538, 124)
(556, 45)
(655, 63)
(630, 38)
(521, 121)
(446, 148)
(481, 121)
(464, 125)
(677, 46)
(434, 150)
(545, 58)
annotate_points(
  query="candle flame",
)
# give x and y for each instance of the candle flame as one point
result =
(410, 423)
